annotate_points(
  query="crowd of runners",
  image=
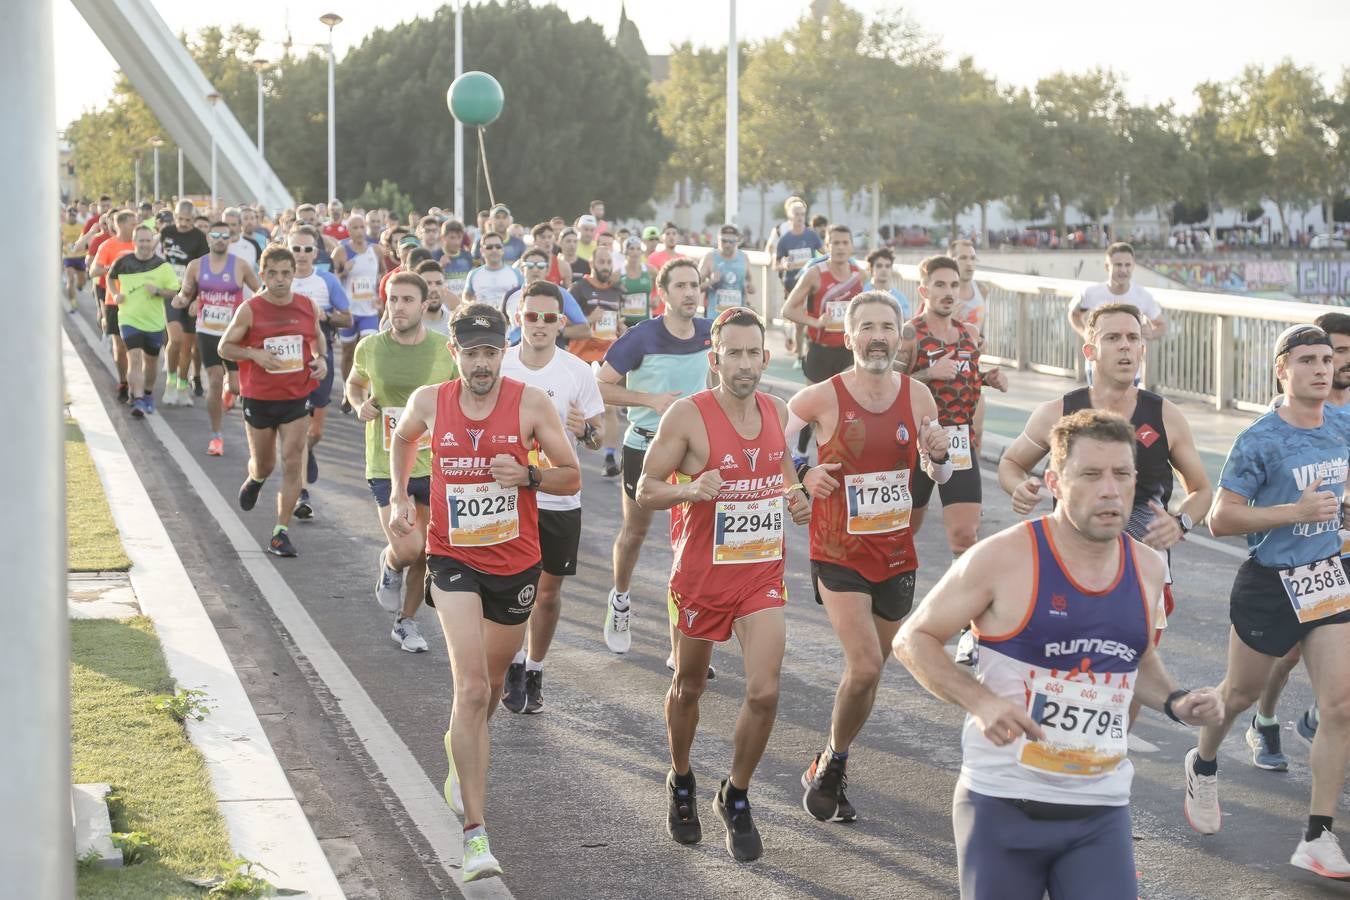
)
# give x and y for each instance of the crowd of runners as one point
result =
(480, 356)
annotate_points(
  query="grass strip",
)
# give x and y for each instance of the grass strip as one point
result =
(92, 541)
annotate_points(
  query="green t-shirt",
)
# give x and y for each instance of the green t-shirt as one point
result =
(394, 371)
(142, 310)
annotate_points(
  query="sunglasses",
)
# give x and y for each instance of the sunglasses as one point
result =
(546, 318)
(218, 235)
(295, 248)
(536, 265)
(733, 312)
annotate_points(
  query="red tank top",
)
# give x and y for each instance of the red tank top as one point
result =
(490, 528)
(832, 297)
(728, 547)
(956, 399)
(289, 332)
(864, 524)
(554, 271)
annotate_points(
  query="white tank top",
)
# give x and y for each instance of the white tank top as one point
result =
(362, 281)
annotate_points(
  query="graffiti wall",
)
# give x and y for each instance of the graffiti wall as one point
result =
(1304, 278)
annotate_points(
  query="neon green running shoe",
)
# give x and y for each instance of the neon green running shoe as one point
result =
(478, 859)
(453, 797)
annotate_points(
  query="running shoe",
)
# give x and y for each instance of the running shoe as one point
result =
(611, 466)
(408, 635)
(1323, 857)
(138, 408)
(149, 400)
(1305, 726)
(227, 399)
(184, 394)
(453, 798)
(534, 691)
(389, 587)
(478, 859)
(670, 664)
(824, 798)
(513, 689)
(248, 493)
(346, 409)
(304, 510)
(1201, 804)
(123, 393)
(1265, 743)
(682, 822)
(281, 545)
(617, 636)
(215, 447)
(743, 842)
(171, 394)
(311, 467)
(967, 650)
(197, 388)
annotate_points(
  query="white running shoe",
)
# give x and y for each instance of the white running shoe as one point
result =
(617, 636)
(478, 859)
(1201, 803)
(1322, 856)
(670, 664)
(409, 636)
(453, 797)
(170, 394)
(185, 394)
(389, 587)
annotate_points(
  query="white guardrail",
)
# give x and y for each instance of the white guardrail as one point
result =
(1217, 348)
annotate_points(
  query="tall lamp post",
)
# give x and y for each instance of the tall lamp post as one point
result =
(213, 98)
(156, 142)
(138, 178)
(332, 20)
(260, 66)
(180, 173)
(459, 126)
(733, 188)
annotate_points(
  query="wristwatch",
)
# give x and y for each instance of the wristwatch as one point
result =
(532, 473)
(1184, 520)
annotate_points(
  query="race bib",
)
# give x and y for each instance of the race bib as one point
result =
(634, 306)
(289, 349)
(389, 417)
(726, 299)
(481, 514)
(214, 319)
(958, 450)
(1085, 725)
(747, 531)
(834, 315)
(1317, 590)
(799, 255)
(180, 270)
(878, 502)
(362, 288)
(455, 284)
(607, 326)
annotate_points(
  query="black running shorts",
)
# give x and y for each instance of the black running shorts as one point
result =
(1262, 614)
(892, 599)
(507, 599)
(559, 540)
(963, 487)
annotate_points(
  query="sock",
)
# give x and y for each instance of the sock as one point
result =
(621, 601)
(835, 754)
(473, 830)
(215, 434)
(1201, 767)
(683, 782)
(149, 393)
(1267, 722)
(731, 793)
(534, 665)
(278, 530)
(519, 659)
(1317, 825)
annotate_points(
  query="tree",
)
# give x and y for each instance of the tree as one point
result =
(691, 109)
(1225, 170)
(386, 196)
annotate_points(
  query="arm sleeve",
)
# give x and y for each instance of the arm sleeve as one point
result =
(1243, 471)
(337, 297)
(625, 354)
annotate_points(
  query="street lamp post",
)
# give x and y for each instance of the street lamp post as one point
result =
(259, 66)
(180, 173)
(459, 126)
(138, 179)
(332, 20)
(156, 142)
(733, 188)
(213, 98)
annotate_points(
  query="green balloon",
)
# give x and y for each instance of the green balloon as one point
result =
(475, 98)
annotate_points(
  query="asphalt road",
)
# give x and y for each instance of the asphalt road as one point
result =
(576, 798)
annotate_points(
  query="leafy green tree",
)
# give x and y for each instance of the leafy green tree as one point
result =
(691, 109)
(386, 196)
(1226, 171)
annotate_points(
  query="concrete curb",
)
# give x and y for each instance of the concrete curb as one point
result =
(264, 818)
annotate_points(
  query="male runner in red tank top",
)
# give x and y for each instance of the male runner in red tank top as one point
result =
(875, 427)
(276, 339)
(483, 538)
(726, 448)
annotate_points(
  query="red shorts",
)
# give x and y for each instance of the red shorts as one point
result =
(1168, 605)
(711, 619)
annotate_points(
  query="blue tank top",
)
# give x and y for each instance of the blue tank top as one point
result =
(730, 290)
(323, 260)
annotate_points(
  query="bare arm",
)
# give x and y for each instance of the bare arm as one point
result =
(247, 277)
(667, 450)
(1231, 513)
(615, 394)
(1077, 318)
(564, 475)
(230, 346)
(794, 310)
(1186, 460)
(1025, 453)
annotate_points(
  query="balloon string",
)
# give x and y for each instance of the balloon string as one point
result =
(487, 176)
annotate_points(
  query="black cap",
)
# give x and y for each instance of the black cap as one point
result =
(1299, 336)
(479, 331)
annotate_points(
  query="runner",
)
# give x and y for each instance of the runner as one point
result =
(140, 283)
(336, 227)
(585, 227)
(568, 242)
(181, 243)
(601, 302)
(1042, 804)
(72, 260)
(570, 384)
(726, 451)
(875, 427)
(213, 288)
(389, 366)
(636, 281)
(670, 237)
(945, 355)
(241, 245)
(725, 274)
(107, 250)
(1282, 486)
(542, 236)
(457, 261)
(969, 299)
(1119, 289)
(438, 312)
(881, 277)
(429, 228)
(325, 291)
(662, 359)
(277, 340)
(482, 540)
(534, 267)
(493, 280)
(359, 264)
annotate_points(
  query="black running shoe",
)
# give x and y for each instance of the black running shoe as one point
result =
(682, 820)
(345, 408)
(824, 798)
(534, 691)
(197, 388)
(281, 545)
(311, 467)
(743, 841)
(248, 494)
(304, 510)
(123, 393)
(513, 689)
(611, 467)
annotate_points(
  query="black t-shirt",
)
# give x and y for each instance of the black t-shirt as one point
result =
(589, 296)
(182, 247)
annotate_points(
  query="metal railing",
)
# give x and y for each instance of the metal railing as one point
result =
(1217, 347)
